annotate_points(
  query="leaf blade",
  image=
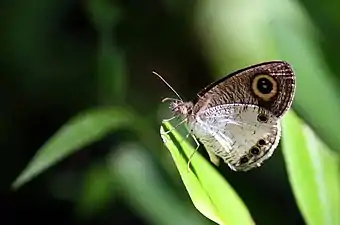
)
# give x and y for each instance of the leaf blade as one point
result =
(313, 171)
(81, 130)
(209, 192)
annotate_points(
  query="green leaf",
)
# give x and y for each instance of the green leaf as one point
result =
(208, 190)
(140, 183)
(97, 190)
(292, 38)
(83, 129)
(301, 49)
(313, 172)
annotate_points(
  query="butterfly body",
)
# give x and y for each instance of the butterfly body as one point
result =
(237, 118)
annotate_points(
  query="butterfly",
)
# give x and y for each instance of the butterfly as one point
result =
(237, 118)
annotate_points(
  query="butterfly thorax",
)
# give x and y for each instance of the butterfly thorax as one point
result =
(181, 108)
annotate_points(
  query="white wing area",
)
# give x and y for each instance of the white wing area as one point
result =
(231, 130)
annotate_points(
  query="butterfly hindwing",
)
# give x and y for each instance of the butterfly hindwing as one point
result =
(231, 131)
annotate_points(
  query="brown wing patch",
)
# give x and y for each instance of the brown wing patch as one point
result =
(270, 85)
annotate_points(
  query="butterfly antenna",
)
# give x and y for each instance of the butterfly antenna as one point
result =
(154, 72)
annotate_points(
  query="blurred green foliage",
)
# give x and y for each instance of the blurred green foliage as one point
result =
(313, 171)
(63, 59)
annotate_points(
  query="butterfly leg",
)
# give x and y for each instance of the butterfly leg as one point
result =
(169, 99)
(167, 120)
(174, 128)
(192, 154)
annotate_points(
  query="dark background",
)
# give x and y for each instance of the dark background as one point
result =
(59, 58)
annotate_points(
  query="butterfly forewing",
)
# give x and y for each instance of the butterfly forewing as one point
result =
(240, 87)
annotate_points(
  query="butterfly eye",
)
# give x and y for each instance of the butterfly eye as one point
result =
(261, 142)
(264, 86)
(255, 150)
(244, 160)
(262, 118)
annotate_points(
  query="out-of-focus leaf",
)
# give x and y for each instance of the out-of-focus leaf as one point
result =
(111, 59)
(138, 181)
(97, 190)
(313, 172)
(85, 128)
(208, 190)
(300, 48)
(264, 32)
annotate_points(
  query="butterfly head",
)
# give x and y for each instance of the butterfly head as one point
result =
(179, 107)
